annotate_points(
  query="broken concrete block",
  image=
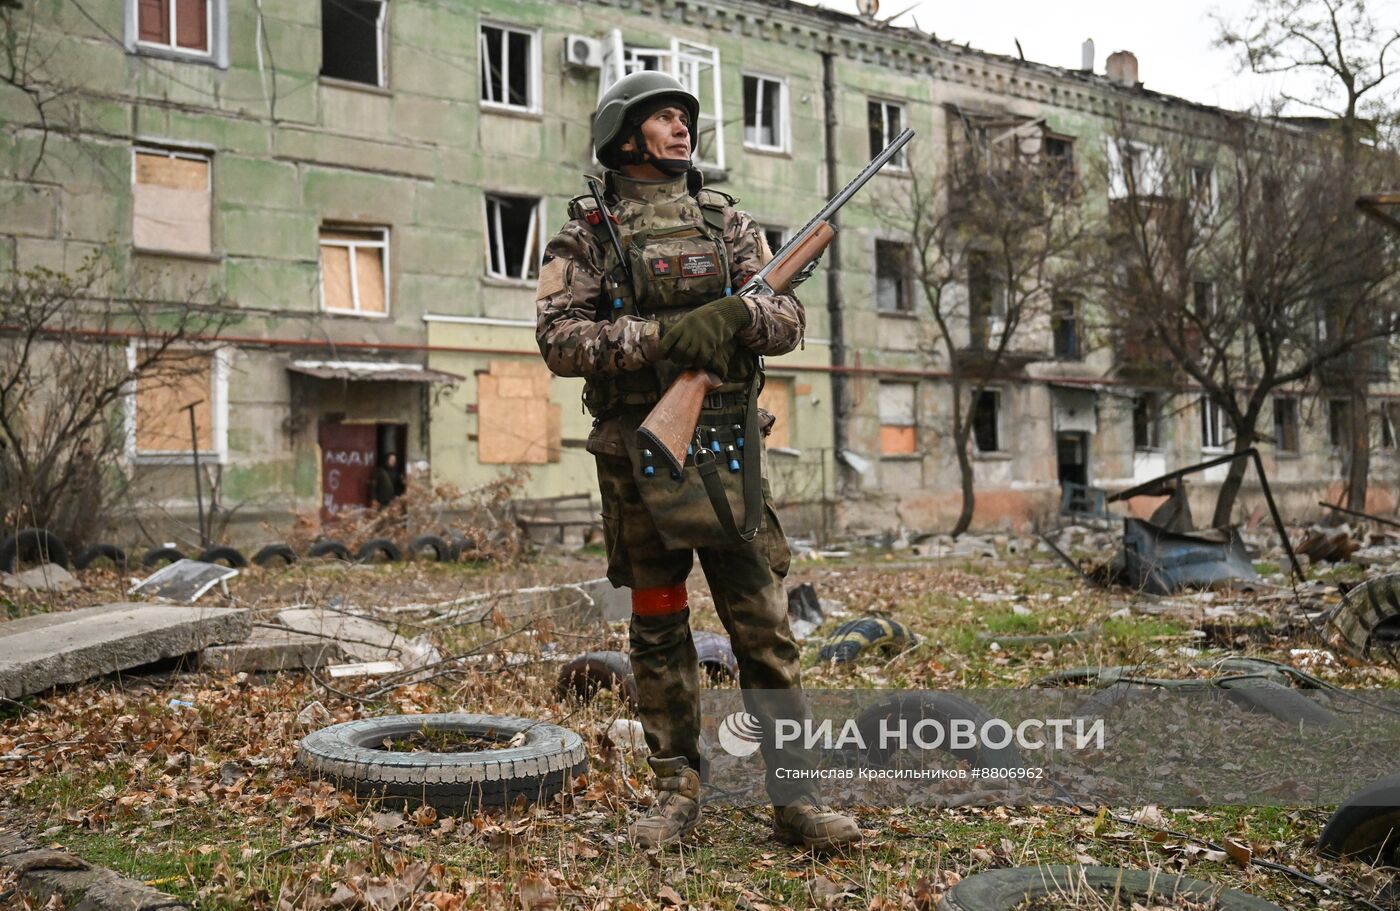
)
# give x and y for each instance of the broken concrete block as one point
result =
(272, 650)
(50, 577)
(47, 650)
(357, 637)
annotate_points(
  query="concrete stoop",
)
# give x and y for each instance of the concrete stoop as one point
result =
(44, 873)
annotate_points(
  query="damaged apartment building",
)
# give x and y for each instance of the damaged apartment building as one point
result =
(368, 185)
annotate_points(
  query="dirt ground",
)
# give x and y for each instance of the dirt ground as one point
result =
(205, 803)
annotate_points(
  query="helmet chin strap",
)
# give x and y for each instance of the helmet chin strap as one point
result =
(640, 154)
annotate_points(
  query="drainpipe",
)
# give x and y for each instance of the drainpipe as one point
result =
(834, 309)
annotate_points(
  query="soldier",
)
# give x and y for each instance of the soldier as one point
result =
(629, 328)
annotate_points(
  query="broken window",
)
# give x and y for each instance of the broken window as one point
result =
(171, 201)
(509, 67)
(892, 277)
(1203, 193)
(765, 113)
(697, 68)
(355, 271)
(886, 122)
(1390, 415)
(1064, 321)
(776, 399)
(1285, 423)
(775, 237)
(512, 236)
(1203, 300)
(160, 424)
(1058, 153)
(986, 301)
(1338, 422)
(181, 25)
(898, 419)
(1147, 422)
(986, 421)
(352, 40)
(1134, 169)
(1212, 424)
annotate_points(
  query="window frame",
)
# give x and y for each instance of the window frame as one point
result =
(1390, 427)
(191, 153)
(382, 244)
(1212, 198)
(913, 387)
(221, 359)
(783, 236)
(1214, 300)
(537, 226)
(908, 278)
(1057, 317)
(899, 164)
(1279, 446)
(533, 78)
(1211, 409)
(382, 61)
(1000, 424)
(215, 35)
(1154, 422)
(782, 129)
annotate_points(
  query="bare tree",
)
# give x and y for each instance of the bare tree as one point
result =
(1244, 264)
(1340, 61)
(72, 353)
(997, 236)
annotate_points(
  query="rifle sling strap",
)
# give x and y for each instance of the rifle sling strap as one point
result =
(753, 477)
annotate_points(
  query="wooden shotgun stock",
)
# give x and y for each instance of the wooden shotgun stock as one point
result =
(671, 423)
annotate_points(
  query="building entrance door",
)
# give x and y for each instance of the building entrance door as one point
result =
(348, 454)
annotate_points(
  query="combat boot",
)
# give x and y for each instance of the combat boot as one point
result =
(677, 808)
(813, 827)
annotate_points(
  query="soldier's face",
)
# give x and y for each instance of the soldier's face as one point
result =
(666, 134)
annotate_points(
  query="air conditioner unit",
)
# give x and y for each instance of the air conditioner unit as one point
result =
(580, 50)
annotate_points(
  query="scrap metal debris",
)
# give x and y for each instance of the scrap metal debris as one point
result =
(1161, 562)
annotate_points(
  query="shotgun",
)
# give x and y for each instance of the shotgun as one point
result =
(670, 426)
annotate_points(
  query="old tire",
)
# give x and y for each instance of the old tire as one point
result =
(1367, 825)
(542, 765)
(856, 636)
(274, 553)
(941, 707)
(220, 554)
(97, 552)
(1004, 890)
(1283, 702)
(159, 556)
(379, 547)
(716, 656)
(330, 547)
(32, 545)
(582, 677)
(442, 551)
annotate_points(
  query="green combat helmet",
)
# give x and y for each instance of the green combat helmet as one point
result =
(627, 103)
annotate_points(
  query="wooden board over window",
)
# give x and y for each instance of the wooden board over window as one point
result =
(171, 202)
(516, 423)
(162, 424)
(776, 398)
(353, 271)
(898, 425)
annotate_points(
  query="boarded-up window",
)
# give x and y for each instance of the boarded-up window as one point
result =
(898, 427)
(355, 271)
(776, 399)
(171, 201)
(162, 424)
(179, 24)
(516, 423)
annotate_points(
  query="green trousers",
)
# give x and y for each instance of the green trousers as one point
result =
(746, 582)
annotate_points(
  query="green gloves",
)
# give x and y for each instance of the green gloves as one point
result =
(704, 337)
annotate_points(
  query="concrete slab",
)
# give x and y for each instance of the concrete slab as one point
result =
(50, 577)
(272, 650)
(47, 650)
(358, 638)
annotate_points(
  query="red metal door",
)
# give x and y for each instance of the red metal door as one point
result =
(347, 461)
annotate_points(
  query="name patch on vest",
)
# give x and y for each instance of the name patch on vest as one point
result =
(661, 266)
(694, 265)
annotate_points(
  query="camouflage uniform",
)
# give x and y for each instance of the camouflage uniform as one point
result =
(578, 337)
